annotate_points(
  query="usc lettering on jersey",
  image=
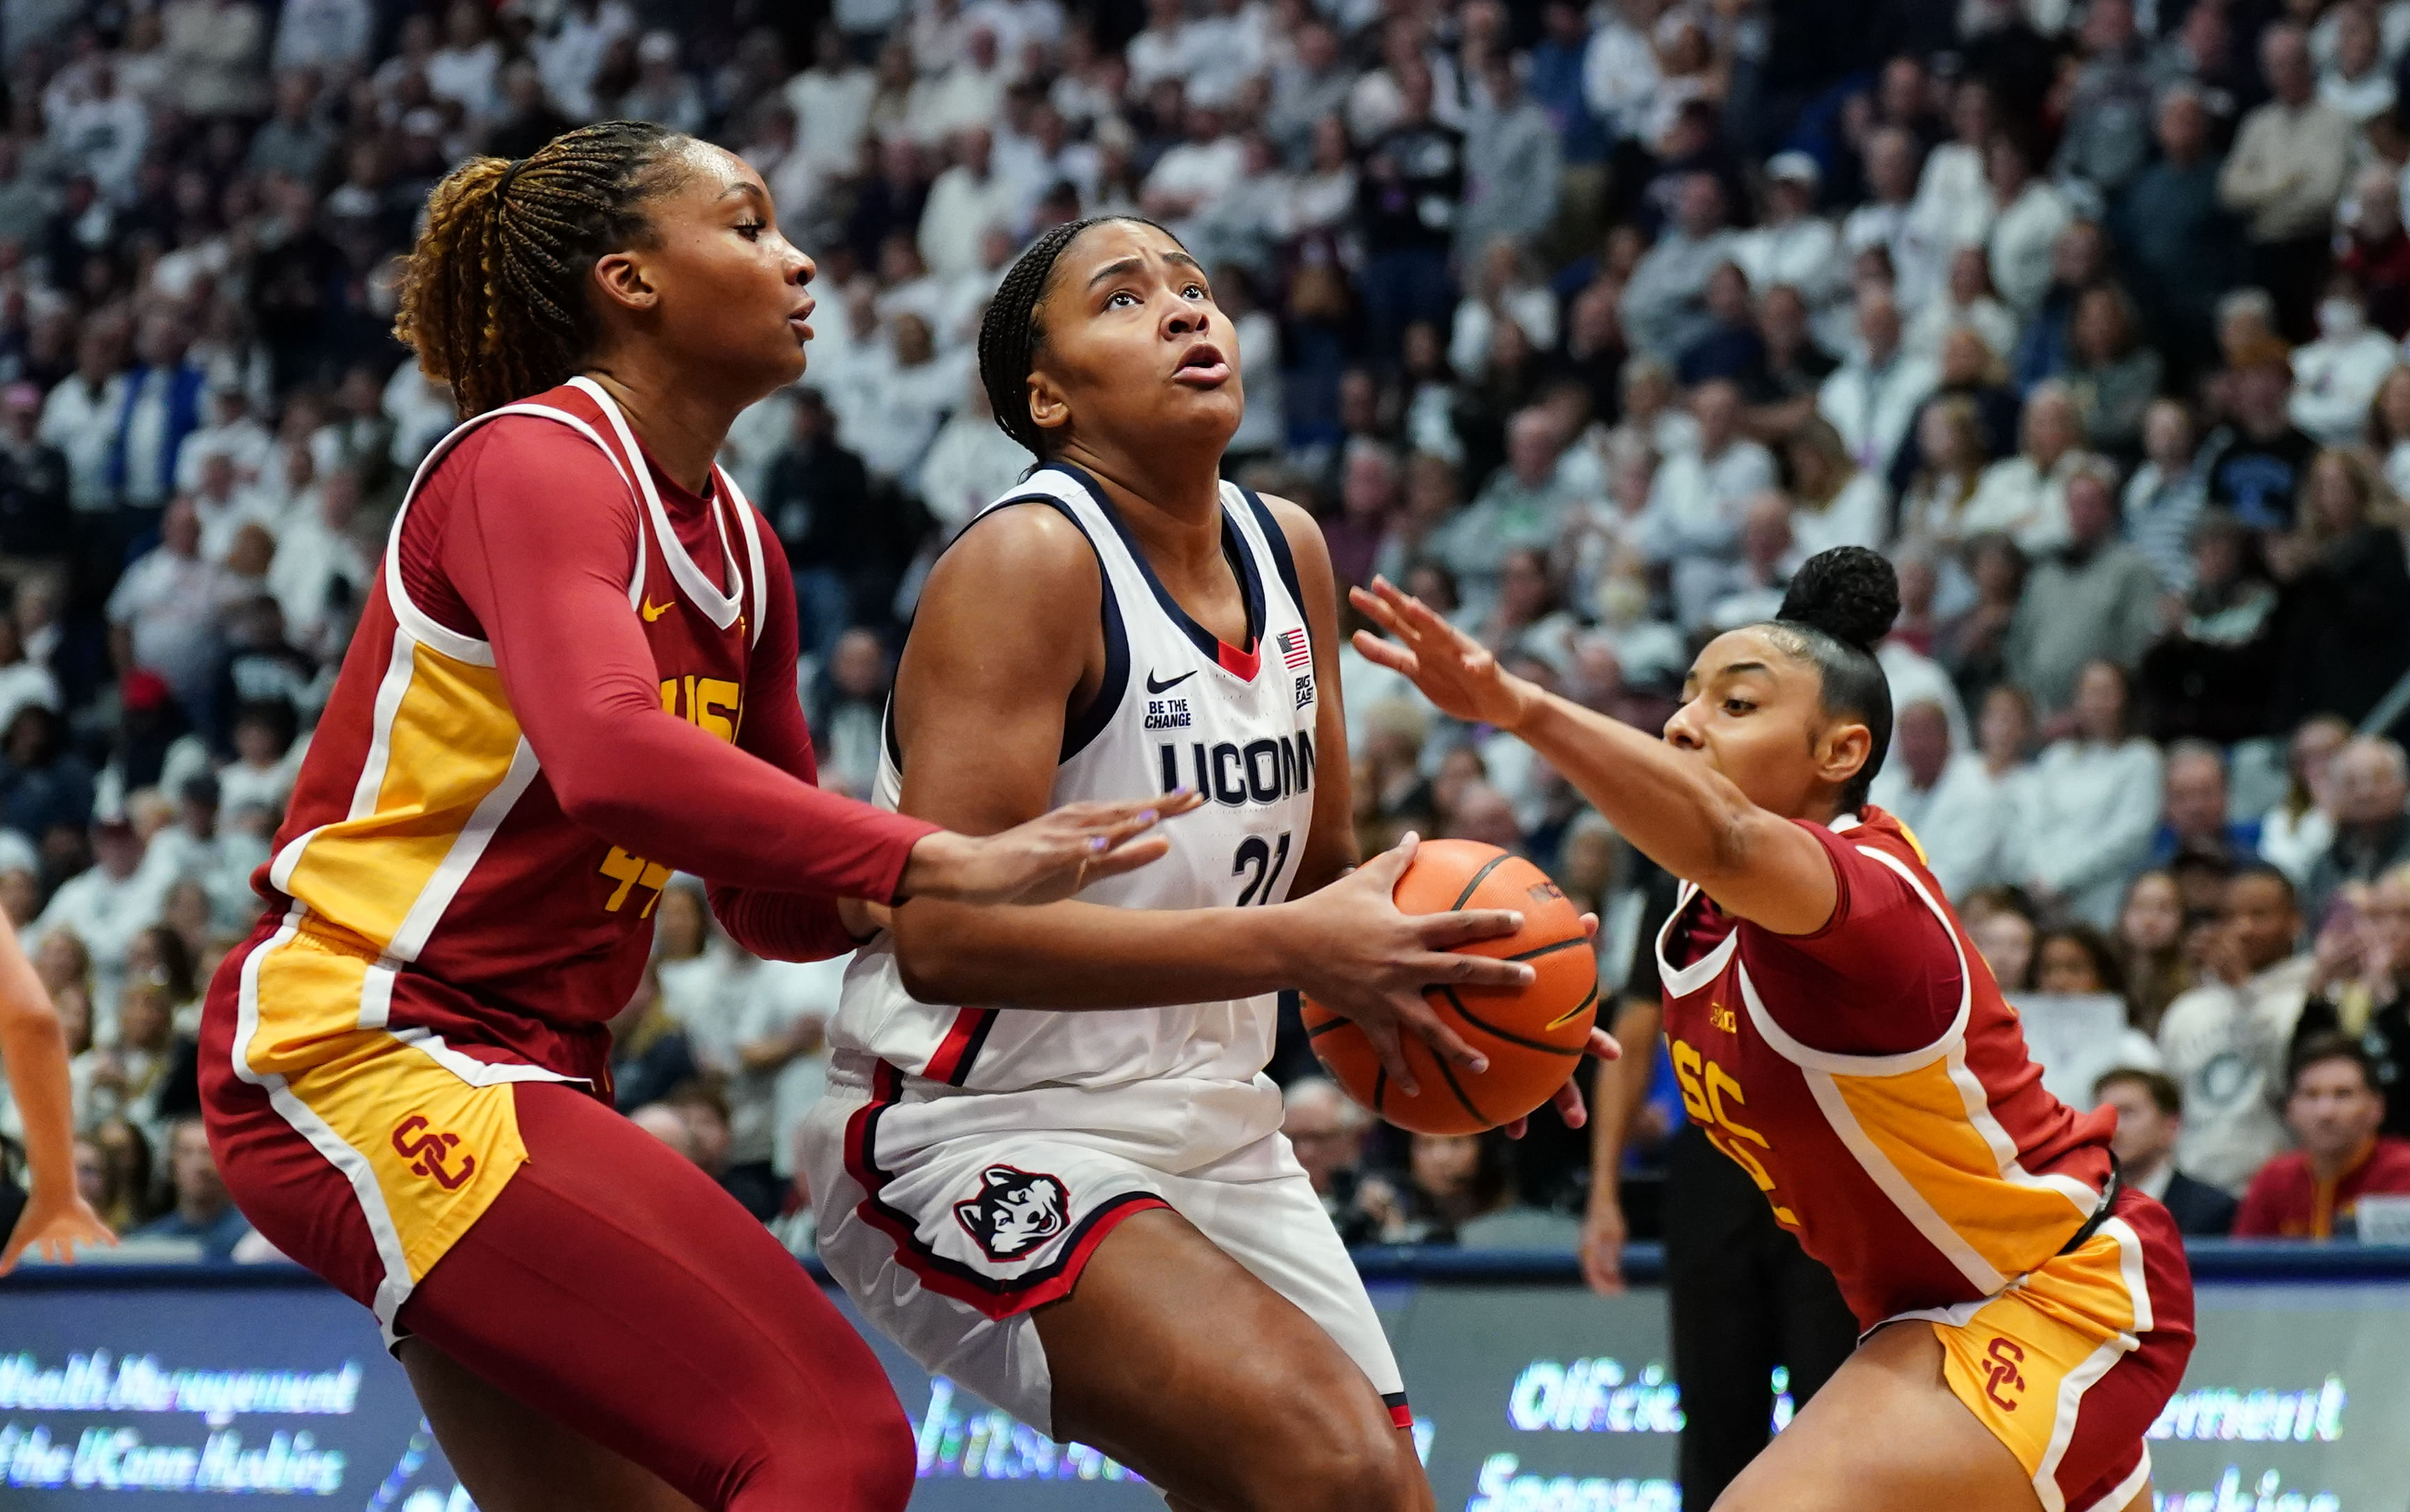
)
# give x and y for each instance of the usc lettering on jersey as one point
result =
(1875, 1084)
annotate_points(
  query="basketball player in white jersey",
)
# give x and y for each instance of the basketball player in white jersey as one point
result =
(1090, 1217)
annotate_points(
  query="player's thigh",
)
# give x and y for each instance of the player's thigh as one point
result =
(1170, 1356)
(614, 1288)
(1885, 1434)
(511, 1458)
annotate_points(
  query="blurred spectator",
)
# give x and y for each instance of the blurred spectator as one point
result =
(2333, 1109)
(2209, 674)
(2093, 803)
(2193, 817)
(2358, 988)
(2164, 495)
(2150, 944)
(845, 703)
(2355, 80)
(2029, 214)
(1948, 798)
(1326, 1130)
(2107, 140)
(2004, 935)
(818, 500)
(2285, 173)
(2375, 249)
(2150, 1123)
(165, 612)
(2225, 1040)
(331, 37)
(2336, 376)
(1524, 504)
(1449, 1181)
(2257, 462)
(2110, 375)
(1513, 162)
(2181, 246)
(1872, 397)
(1413, 180)
(1835, 503)
(2347, 594)
(2295, 833)
(2024, 496)
(2372, 833)
(204, 1212)
(1665, 308)
(2093, 599)
(125, 1175)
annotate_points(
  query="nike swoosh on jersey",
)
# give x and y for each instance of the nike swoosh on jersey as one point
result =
(654, 611)
(1155, 687)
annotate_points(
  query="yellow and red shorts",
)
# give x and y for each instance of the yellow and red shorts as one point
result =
(2072, 1362)
(362, 1151)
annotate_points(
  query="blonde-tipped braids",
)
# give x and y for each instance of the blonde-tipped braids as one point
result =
(494, 299)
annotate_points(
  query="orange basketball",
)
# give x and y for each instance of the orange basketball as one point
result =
(1533, 1036)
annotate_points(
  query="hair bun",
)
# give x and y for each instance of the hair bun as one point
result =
(1850, 593)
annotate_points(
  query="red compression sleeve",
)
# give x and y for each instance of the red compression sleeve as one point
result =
(779, 925)
(539, 541)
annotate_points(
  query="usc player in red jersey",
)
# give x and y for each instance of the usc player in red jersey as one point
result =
(1836, 1034)
(575, 676)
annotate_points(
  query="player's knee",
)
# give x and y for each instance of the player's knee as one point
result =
(863, 1463)
(1357, 1463)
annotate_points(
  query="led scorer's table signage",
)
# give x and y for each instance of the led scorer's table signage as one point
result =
(148, 1391)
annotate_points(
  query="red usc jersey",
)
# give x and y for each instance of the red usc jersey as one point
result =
(1873, 1082)
(423, 833)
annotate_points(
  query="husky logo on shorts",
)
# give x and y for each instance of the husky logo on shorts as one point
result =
(1015, 1212)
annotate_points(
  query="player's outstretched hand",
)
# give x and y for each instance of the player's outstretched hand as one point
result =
(1454, 671)
(1363, 959)
(1048, 859)
(51, 1226)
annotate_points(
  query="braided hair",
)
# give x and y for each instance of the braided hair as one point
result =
(1010, 336)
(1837, 609)
(493, 297)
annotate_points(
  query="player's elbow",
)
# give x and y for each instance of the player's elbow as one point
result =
(932, 961)
(1727, 846)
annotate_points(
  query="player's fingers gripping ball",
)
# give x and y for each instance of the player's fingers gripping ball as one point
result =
(1534, 1035)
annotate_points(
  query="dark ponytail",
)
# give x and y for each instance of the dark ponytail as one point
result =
(1839, 608)
(1010, 335)
(493, 297)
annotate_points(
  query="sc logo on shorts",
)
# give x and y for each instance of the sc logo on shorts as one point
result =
(429, 1153)
(1015, 1212)
(2007, 1355)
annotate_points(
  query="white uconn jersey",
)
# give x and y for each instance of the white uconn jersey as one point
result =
(1177, 707)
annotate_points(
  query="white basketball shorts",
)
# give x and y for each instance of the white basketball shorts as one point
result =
(947, 1217)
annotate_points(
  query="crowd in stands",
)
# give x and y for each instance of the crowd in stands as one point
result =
(1588, 325)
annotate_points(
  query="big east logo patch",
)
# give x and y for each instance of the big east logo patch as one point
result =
(1015, 1212)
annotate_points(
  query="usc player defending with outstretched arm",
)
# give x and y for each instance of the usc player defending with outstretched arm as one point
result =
(1837, 1035)
(575, 675)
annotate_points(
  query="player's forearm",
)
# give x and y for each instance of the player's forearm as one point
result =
(35, 1054)
(1616, 1095)
(781, 926)
(1674, 809)
(672, 792)
(1077, 955)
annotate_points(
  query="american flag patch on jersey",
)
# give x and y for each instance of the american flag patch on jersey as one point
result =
(1294, 651)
